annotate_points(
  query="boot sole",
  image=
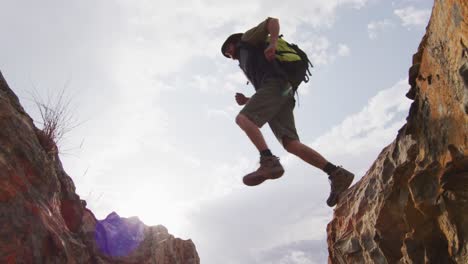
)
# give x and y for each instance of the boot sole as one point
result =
(259, 179)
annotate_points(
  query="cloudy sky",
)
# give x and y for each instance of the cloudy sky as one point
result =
(154, 102)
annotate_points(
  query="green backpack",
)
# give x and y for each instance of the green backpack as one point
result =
(293, 61)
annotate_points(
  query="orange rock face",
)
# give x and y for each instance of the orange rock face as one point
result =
(43, 220)
(412, 204)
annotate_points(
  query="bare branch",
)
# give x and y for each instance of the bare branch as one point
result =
(56, 118)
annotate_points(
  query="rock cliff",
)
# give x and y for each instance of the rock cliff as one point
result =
(412, 204)
(43, 220)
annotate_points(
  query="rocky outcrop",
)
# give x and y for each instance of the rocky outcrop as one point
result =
(128, 240)
(43, 220)
(412, 204)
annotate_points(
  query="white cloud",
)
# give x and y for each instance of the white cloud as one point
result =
(303, 251)
(359, 137)
(320, 51)
(343, 50)
(201, 26)
(410, 16)
(374, 125)
(217, 113)
(228, 112)
(375, 27)
(295, 257)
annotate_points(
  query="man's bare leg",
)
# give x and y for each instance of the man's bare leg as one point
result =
(305, 153)
(270, 167)
(340, 179)
(252, 131)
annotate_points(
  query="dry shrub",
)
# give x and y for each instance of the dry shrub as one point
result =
(56, 119)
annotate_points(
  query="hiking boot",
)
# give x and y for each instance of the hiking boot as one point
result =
(340, 180)
(270, 168)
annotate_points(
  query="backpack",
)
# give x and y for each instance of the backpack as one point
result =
(293, 61)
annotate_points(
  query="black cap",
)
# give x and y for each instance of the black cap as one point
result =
(234, 38)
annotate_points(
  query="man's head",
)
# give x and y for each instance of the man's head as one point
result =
(229, 46)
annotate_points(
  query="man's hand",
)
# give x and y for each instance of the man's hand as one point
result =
(241, 99)
(270, 52)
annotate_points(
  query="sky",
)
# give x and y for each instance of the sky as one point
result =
(152, 104)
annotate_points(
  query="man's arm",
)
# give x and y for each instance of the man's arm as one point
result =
(273, 28)
(257, 36)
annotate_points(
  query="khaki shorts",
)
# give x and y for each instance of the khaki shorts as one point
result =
(273, 103)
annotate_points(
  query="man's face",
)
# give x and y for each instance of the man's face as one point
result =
(231, 51)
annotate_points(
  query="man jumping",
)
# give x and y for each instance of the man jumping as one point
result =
(273, 103)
